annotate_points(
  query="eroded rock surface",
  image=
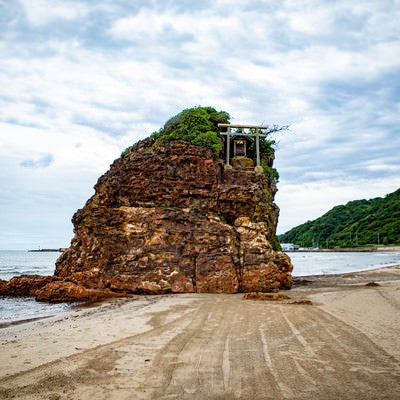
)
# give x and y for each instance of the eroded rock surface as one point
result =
(171, 218)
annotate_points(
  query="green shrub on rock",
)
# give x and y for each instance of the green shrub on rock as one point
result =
(270, 172)
(198, 125)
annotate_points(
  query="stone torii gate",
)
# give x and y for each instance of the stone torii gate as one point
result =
(229, 134)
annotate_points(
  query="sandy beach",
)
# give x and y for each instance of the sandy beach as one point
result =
(344, 345)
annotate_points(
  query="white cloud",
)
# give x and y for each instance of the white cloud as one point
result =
(42, 12)
(312, 20)
(80, 150)
(43, 161)
(146, 25)
(82, 81)
(374, 166)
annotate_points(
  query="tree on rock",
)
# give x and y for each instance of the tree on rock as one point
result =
(198, 125)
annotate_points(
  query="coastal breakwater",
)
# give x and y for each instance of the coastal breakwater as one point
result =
(60, 250)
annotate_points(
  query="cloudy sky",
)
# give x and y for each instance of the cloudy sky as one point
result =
(82, 80)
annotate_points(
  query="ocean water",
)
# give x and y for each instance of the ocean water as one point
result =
(14, 263)
(321, 263)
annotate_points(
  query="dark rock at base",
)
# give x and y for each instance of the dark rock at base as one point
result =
(4, 288)
(25, 285)
(60, 291)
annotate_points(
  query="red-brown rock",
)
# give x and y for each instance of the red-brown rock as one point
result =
(60, 291)
(172, 219)
(25, 285)
(265, 296)
(4, 288)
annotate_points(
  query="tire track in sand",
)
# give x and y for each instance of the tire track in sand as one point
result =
(243, 349)
(222, 347)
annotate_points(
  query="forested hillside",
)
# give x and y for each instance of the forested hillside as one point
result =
(358, 223)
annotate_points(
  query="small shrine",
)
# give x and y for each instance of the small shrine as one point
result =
(240, 147)
(238, 139)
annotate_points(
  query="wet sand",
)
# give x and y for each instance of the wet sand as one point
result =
(207, 346)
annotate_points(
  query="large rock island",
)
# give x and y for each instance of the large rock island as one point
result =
(172, 217)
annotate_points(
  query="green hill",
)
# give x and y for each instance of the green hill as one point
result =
(358, 223)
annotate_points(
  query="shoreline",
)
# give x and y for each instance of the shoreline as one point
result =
(192, 346)
(300, 281)
(382, 273)
(8, 324)
(371, 249)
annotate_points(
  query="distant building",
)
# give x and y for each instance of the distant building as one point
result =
(289, 247)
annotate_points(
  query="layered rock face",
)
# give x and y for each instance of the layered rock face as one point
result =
(170, 218)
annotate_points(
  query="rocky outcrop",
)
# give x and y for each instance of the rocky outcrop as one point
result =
(65, 291)
(24, 285)
(172, 219)
(265, 296)
(53, 289)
